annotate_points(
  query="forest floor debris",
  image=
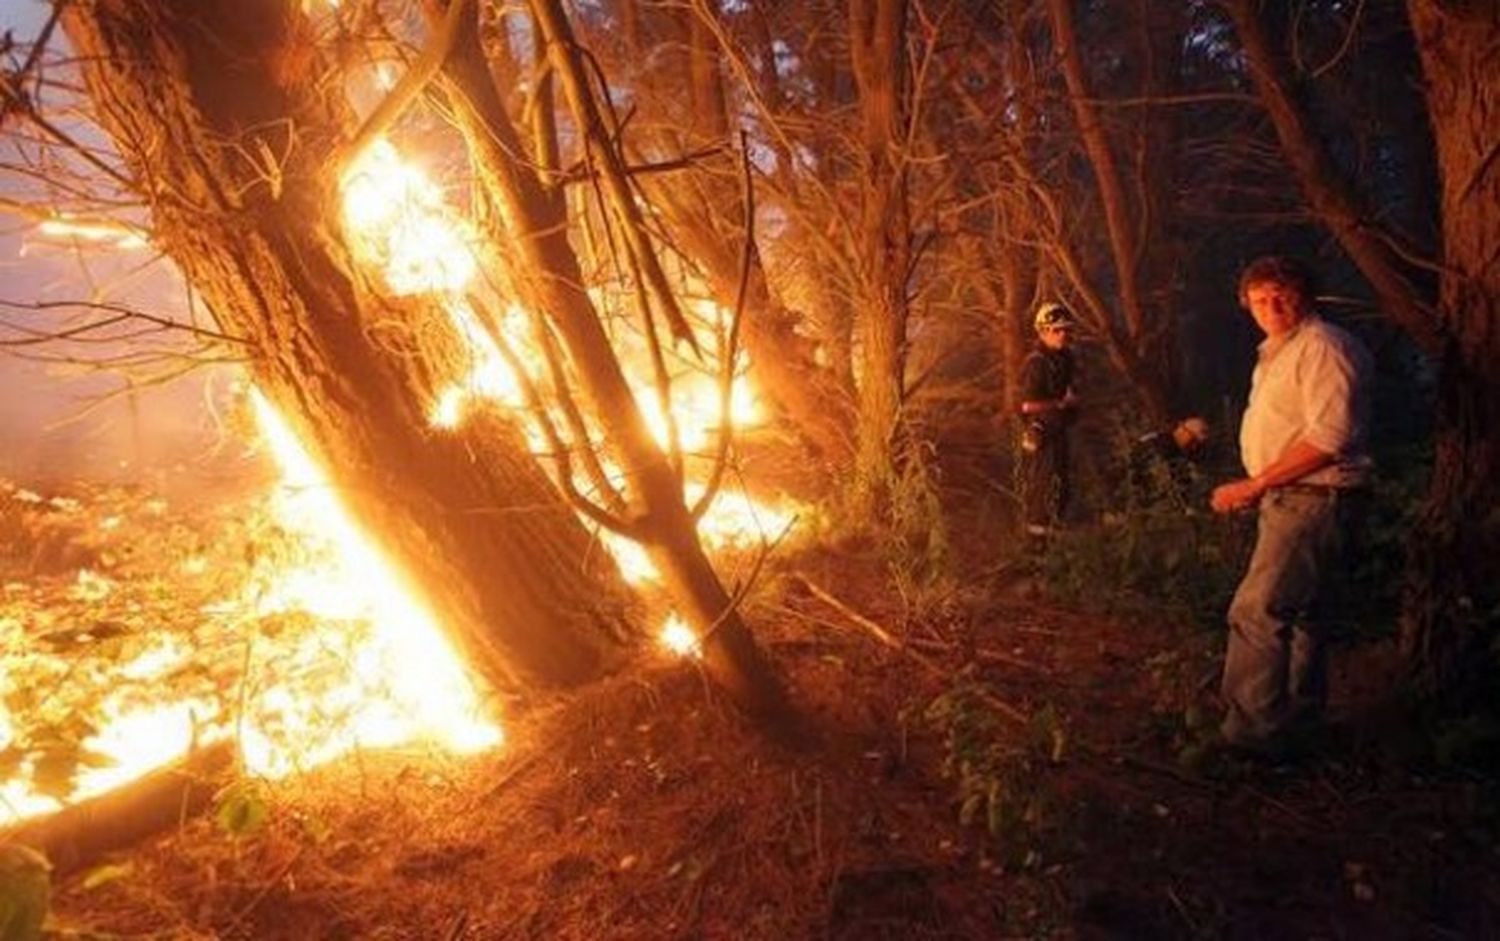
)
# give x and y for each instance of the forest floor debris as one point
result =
(644, 807)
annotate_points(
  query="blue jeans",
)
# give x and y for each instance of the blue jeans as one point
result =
(1276, 667)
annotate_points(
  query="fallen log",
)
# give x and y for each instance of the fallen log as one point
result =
(80, 833)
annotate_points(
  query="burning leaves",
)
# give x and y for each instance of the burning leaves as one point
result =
(305, 644)
(89, 660)
(249, 632)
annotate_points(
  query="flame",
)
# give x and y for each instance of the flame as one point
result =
(677, 637)
(406, 680)
(403, 224)
(733, 521)
(111, 235)
(373, 668)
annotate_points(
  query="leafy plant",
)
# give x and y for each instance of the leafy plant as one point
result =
(242, 809)
(999, 777)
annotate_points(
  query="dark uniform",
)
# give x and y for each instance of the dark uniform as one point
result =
(1045, 485)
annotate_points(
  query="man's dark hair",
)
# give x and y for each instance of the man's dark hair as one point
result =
(1279, 270)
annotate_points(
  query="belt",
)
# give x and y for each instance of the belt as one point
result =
(1317, 490)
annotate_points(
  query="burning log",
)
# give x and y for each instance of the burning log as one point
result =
(79, 834)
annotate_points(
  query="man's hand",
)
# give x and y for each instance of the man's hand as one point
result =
(1236, 495)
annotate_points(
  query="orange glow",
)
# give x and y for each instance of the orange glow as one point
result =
(677, 637)
(367, 666)
(403, 225)
(63, 227)
(405, 681)
(372, 669)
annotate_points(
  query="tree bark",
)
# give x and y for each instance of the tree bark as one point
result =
(877, 48)
(1452, 609)
(216, 107)
(1019, 262)
(551, 280)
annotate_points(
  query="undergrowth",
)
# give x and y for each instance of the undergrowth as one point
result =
(1001, 780)
(917, 542)
(1157, 550)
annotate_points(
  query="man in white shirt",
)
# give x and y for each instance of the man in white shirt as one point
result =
(1303, 441)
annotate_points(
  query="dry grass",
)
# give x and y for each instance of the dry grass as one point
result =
(644, 807)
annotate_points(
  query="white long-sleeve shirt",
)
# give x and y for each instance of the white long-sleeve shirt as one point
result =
(1314, 384)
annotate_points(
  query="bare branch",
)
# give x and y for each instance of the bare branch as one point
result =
(413, 82)
(560, 452)
(119, 314)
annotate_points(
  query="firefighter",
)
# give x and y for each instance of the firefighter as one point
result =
(1049, 406)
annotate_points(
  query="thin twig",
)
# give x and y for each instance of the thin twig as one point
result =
(581, 172)
(119, 314)
(600, 515)
(885, 637)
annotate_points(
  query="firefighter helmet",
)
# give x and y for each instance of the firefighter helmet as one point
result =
(1052, 316)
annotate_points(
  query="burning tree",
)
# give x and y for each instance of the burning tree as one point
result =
(233, 163)
(229, 127)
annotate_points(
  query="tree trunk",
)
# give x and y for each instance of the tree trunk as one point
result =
(80, 834)
(877, 48)
(1017, 299)
(215, 108)
(704, 216)
(1124, 241)
(1327, 191)
(552, 282)
(1019, 262)
(1452, 609)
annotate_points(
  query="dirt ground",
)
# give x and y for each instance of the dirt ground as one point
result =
(645, 807)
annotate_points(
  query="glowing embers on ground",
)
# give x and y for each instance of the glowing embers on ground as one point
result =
(292, 639)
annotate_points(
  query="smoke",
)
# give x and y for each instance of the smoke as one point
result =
(66, 412)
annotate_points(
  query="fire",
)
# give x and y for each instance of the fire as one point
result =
(111, 235)
(370, 667)
(404, 226)
(677, 637)
(401, 224)
(405, 681)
